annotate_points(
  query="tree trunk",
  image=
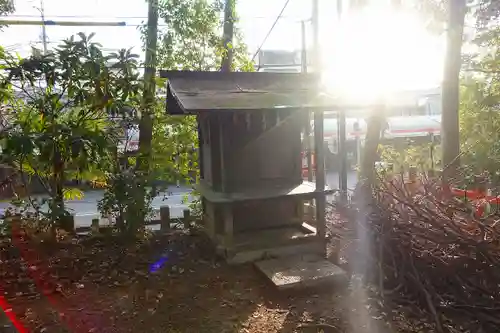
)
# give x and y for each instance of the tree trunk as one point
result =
(451, 84)
(146, 121)
(364, 192)
(147, 110)
(57, 209)
(369, 157)
(229, 16)
(120, 218)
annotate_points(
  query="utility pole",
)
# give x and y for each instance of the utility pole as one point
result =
(44, 30)
(41, 9)
(315, 28)
(146, 120)
(229, 13)
(303, 56)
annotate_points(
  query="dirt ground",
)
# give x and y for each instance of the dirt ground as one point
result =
(172, 283)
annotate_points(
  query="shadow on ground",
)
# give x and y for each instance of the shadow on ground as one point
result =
(172, 283)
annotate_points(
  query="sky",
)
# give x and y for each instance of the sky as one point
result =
(423, 55)
(256, 18)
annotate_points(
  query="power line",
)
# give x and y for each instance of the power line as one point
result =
(73, 23)
(61, 23)
(134, 17)
(90, 24)
(271, 30)
(78, 16)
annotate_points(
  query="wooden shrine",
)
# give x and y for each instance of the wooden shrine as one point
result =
(250, 127)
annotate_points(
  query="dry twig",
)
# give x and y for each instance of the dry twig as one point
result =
(430, 248)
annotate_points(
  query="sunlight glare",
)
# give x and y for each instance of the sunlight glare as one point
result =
(377, 51)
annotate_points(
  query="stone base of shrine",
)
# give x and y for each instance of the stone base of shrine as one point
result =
(301, 271)
(270, 243)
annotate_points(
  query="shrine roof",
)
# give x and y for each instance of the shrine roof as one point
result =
(195, 92)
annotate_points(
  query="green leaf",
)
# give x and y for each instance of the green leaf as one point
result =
(72, 194)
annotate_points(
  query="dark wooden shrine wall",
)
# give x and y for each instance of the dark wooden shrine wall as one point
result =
(251, 149)
(257, 214)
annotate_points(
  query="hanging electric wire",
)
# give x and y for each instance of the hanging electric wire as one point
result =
(125, 21)
(271, 30)
(245, 17)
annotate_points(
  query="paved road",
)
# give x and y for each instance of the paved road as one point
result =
(86, 209)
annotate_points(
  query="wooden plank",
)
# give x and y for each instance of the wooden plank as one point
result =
(83, 229)
(309, 228)
(294, 116)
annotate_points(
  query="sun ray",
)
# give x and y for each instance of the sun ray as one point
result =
(379, 50)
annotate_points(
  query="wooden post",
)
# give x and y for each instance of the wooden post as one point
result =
(201, 135)
(222, 152)
(208, 216)
(300, 210)
(315, 31)
(413, 181)
(308, 146)
(228, 227)
(341, 124)
(164, 218)
(71, 223)
(186, 218)
(480, 184)
(307, 115)
(68, 223)
(95, 226)
(320, 177)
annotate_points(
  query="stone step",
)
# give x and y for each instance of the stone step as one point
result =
(301, 271)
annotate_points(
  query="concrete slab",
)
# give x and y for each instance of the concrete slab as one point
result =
(301, 271)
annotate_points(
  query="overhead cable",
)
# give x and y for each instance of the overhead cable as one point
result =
(271, 30)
